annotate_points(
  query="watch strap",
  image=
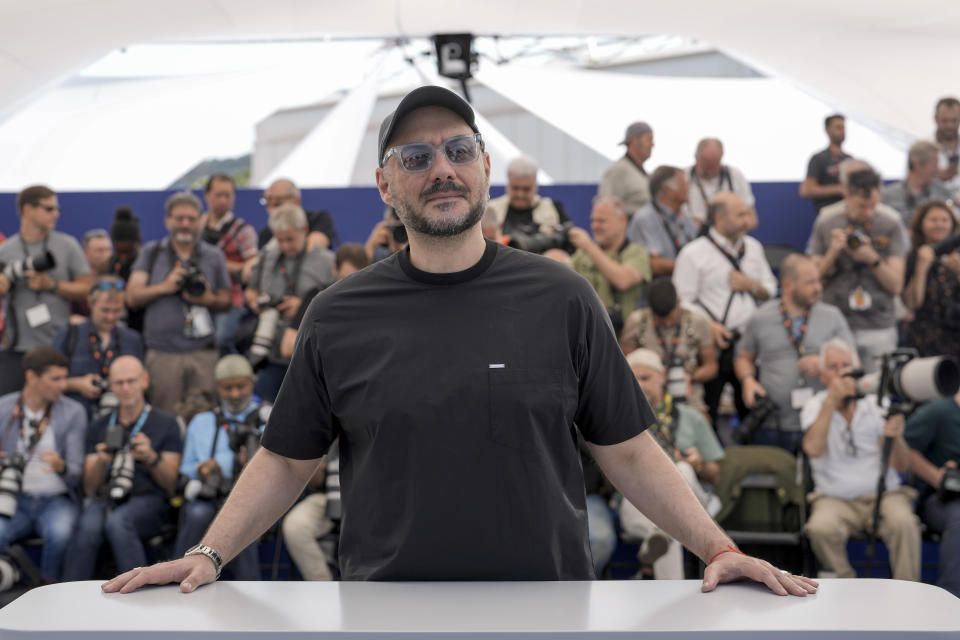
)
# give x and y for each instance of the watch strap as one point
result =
(210, 552)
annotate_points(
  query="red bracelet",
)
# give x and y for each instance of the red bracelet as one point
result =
(727, 550)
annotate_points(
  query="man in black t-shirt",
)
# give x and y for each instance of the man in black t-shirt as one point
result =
(455, 374)
(822, 184)
(128, 479)
(521, 210)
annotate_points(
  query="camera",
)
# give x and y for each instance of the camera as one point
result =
(534, 240)
(676, 379)
(11, 482)
(107, 402)
(247, 435)
(950, 485)
(949, 245)
(908, 380)
(14, 270)
(121, 476)
(856, 239)
(398, 231)
(9, 573)
(116, 438)
(193, 282)
(762, 410)
(265, 332)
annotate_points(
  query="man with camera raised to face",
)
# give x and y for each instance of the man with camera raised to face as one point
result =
(615, 267)
(860, 256)
(724, 274)
(42, 459)
(783, 337)
(129, 474)
(95, 343)
(41, 272)
(933, 433)
(181, 282)
(843, 437)
(214, 450)
(284, 275)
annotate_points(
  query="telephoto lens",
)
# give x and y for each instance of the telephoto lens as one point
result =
(121, 476)
(11, 482)
(264, 334)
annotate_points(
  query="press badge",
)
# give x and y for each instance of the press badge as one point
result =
(799, 397)
(199, 322)
(860, 300)
(38, 315)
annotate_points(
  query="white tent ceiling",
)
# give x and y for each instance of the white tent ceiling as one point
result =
(887, 61)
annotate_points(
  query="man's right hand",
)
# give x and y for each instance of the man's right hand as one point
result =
(942, 471)
(838, 241)
(191, 572)
(171, 283)
(102, 456)
(841, 388)
(88, 387)
(205, 467)
(751, 389)
(721, 335)
(925, 256)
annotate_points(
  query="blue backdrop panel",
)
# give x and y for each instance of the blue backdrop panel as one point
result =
(784, 217)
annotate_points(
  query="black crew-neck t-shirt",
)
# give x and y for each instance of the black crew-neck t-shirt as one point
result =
(455, 398)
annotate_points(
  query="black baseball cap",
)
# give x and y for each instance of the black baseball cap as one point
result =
(427, 96)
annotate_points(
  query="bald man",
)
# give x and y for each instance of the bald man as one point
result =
(724, 274)
(709, 176)
(143, 443)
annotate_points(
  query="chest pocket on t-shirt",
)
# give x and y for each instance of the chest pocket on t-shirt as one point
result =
(525, 405)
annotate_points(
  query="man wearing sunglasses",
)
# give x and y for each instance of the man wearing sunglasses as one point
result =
(94, 344)
(38, 298)
(843, 437)
(453, 373)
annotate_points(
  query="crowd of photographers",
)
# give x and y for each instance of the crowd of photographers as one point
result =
(135, 380)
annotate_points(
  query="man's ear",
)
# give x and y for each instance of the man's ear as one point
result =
(383, 186)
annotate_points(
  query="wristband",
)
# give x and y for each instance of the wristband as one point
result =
(156, 460)
(54, 285)
(727, 550)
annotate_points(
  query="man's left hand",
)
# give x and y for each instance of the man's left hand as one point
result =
(55, 463)
(289, 306)
(579, 238)
(739, 281)
(141, 448)
(38, 281)
(731, 566)
(865, 254)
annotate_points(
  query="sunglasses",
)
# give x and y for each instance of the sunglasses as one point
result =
(417, 157)
(107, 285)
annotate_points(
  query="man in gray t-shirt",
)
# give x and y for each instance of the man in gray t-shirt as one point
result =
(783, 338)
(37, 301)
(860, 256)
(181, 282)
(659, 225)
(287, 271)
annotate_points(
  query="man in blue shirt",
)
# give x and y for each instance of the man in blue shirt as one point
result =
(214, 446)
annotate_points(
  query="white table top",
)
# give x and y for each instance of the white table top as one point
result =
(363, 610)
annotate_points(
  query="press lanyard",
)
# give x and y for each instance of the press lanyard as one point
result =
(138, 424)
(103, 356)
(18, 415)
(666, 226)
(291, 282)
(673, 342)
(796, 341)
(724, 175)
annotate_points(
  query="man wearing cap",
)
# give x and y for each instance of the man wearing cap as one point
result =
(453, 385)
(210, 462)
(128, 487)
(626, 178)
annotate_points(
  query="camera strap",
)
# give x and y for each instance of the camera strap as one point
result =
(795, 340)
(18, 416)
(674, 341)
(666, 226)
(102, 354)
(724, 175)
(290, 283)
(138, 425)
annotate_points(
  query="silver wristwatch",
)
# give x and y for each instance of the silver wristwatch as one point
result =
(204, 550)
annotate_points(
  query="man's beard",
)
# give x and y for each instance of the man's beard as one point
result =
(236, 406)
(801, 301)
(413, 218)
(185, 237)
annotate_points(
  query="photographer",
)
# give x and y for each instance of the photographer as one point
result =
(181, 282)
(921, 184)
(680, 337)
(724, 274)
(125, 236)
(843, 437)
(276, 290)
(41, 272)
(94, 344)
(42, 459)
(947, 136)
(660, 226)
(387, 237)
(860, 258)
(933, 433)
(783, 337)
(209, 457)
(521, 209)
(688, 440)
(615, 267)
(933, 282)
(129, 474)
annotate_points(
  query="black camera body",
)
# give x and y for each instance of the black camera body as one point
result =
(399, 232)
(116, 438)
(950, 485)
(14, 270)
(856, 239)
(193, 282)
(762, 410)
(536, 241)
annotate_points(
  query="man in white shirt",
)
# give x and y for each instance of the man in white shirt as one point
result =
(724, 274)
(709, 176)
(843, 437)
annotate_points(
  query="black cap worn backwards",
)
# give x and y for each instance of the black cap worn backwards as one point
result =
(428, 96)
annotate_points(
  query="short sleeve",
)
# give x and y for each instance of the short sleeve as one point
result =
(921, 427)
(169, 435)
(144, 258)
(302, 425)
(221, 278)
(611, 408)
(322, 221)
(898, 238)
(76, 263)
(96, 432)
(818, 244)
(813, 168)
(639, 260)
(808, 414)
(701, 328)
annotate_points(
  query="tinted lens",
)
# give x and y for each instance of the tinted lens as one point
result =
(416, 157)
(106, 286)
(461, 150)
